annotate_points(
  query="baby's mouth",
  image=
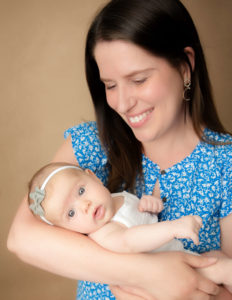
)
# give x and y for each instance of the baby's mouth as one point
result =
(99, 212)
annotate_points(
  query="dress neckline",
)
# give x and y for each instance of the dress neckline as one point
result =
(186, 159)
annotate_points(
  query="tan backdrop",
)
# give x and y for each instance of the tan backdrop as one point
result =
(43, 92)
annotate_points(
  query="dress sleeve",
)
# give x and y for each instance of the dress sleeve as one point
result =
(226, 204)
(88, 149)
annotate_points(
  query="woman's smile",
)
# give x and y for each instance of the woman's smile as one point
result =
(139, 119)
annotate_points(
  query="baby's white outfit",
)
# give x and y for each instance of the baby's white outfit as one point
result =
(129, 215)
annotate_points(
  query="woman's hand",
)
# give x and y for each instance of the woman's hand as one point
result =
(169, 276)
(223, 294)
(183, 282)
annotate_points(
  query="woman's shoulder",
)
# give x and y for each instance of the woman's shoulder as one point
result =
(86, 145)
(221, 145)
(224, 139)
(85, 129)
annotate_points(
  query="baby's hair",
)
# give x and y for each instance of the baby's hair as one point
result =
(40, 176)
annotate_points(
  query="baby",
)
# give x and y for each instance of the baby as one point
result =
(67, 196)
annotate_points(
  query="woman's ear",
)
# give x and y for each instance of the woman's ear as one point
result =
(191, 56)
(185, 68)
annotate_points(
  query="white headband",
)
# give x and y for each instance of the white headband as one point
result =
(38, 195)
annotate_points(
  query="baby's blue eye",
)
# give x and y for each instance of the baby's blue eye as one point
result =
(81, 191)
(71, 213)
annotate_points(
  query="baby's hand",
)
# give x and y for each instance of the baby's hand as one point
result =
(188, 227)
(150, 204)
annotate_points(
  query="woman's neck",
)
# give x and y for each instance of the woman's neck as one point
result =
(173, 146)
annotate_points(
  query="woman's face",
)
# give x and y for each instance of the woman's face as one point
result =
(145, 90)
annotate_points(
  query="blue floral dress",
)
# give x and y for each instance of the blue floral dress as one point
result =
(201, 184)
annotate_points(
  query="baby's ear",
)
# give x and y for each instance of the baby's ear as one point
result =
(91, 173)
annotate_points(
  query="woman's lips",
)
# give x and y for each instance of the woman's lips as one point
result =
(139, 119)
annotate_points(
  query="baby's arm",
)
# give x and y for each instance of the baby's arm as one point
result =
(144, 238)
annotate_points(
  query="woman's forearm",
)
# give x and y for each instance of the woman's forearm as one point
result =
(76, 256)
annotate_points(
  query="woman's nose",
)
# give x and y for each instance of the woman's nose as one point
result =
(125, 100)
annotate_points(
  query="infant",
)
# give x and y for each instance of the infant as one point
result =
(67, 196)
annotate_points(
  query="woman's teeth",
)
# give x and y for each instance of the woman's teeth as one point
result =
(139, 118)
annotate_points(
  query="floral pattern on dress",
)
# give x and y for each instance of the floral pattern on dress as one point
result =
(200, 184)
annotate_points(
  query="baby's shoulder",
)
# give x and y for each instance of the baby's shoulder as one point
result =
(106, 230)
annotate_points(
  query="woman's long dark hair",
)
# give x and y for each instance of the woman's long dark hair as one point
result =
(164, 28)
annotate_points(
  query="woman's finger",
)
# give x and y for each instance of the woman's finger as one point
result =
(122, 295)
(129, 293)
(199, 295)
(208, 287)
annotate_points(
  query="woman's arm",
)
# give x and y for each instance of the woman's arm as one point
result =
(71, 255)
(226, 250)
(226, 234)
(52, 248)
(76, 256)
(55, 249)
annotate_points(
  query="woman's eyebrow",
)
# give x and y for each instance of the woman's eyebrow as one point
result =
(136, 72)
(131, 74)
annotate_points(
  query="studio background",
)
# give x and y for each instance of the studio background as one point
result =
(43, 92)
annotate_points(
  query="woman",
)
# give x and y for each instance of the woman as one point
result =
(157, 133)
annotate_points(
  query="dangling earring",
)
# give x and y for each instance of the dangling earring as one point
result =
(186, 96)
(187, 88)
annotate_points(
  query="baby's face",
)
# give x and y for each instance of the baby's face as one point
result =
(78, 201)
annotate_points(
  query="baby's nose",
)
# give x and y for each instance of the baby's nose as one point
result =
(85, 205)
